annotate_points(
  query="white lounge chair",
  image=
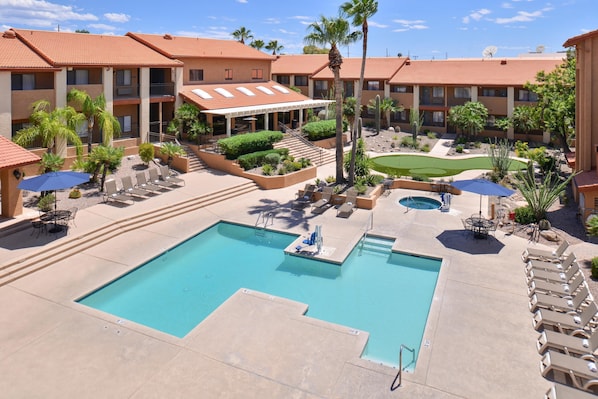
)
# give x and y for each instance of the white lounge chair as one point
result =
(562, 277)
(582, 371)
(167, 177)
(557, 289)
(569, 344)
(560, 391)
(543, 254)
(113, 194)
(571, 322)
(155, 179)
(128, 188)
(550, 266)
(564, 304)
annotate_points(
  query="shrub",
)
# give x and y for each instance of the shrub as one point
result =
(46, 202)
(407, 141)
(459, 148)
(592, 225)
(267, 169)
(461, 140)
(233, 147)
(75, 193)
(272, 158)
(426, 148)
(360, 188)
(432, 135)
(256, 159)
(330, 179)
(525, 215)
(305, 162)
(595, 267)
(146, 152)
(321, 130)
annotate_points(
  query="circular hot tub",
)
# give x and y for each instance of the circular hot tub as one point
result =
(423, 203)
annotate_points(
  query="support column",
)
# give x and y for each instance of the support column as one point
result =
(510, 107)
(144, 107)
(474, 93)
(415, 104)
(60, 92)
(6, 105)
(266, 121)
(228, 128)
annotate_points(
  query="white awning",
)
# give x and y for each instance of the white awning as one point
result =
(237, 112)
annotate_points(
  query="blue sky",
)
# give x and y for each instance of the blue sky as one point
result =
(422, 29)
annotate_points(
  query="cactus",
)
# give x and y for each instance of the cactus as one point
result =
(377, 114)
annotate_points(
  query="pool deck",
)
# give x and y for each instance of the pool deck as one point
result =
(478, 342)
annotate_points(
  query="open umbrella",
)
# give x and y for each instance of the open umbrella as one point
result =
(482, 187)
(53, 181)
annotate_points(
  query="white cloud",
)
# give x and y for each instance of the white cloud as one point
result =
(506, 5)
(406, 24)
(115, 17)
(376, 24)
(286, 32)
(522, 16)
(242, 1)
(102, 27)
(475, 15)
(40, 13)
(274, 21)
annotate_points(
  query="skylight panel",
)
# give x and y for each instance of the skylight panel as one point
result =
(223, 92)
(264, 89)
(202, 93)
(246, 91)
(281, 89)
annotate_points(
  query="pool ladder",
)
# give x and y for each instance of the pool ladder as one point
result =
(399, 374)
(369, 225)
(264, 219)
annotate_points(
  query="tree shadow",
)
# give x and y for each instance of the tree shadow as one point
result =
(285, 213)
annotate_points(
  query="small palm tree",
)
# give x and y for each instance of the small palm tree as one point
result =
(242, 34)
(334, 32)
(274, 47)
(51, 163)
(387, 106)
(349, 109)
(257, 44)
(171, 150)
(94, 110)
(50, 126)
(105, 159)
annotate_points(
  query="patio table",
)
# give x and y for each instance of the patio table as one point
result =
(479, 225)
(55, 216)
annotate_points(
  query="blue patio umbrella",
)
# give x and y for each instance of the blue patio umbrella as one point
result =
(53, 181)
(482, 187)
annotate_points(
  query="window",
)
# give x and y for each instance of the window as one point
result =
(25, 81)
(321, 85)
(438, 91)
(257, 74)
(123, 77)
(348, 88)
(494, 92)
(228, 74)
(399, 89)
(400, 116)
(372, 85)
(125, 123)
(462, 92)
(301, 80)
(283, 79)
(195, 75)
(77, 77)
(526, 95)
(438, 117)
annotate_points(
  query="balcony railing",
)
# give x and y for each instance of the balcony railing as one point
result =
(131, 91)
(162, 89)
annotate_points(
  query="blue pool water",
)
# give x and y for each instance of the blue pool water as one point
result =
(422, 203)
(386, 294)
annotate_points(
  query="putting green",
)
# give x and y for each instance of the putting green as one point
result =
(418, 165)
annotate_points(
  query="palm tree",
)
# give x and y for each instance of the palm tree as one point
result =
(95, 109)
(387, 106)
(336, 32)
(349, 109)
(242, 34)
(257, 44)
(51, 126)
(360, 11)
(274, 46)
(105, 159)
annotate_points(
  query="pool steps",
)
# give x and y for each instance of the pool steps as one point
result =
(61, 249)
(380, 245)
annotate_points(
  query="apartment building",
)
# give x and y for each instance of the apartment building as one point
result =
(431, 86)
(585, 184)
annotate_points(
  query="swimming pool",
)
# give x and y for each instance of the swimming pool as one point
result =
(386, 294)
(421, 203)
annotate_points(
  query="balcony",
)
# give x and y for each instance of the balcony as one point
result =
(161, 89)
(124, 92)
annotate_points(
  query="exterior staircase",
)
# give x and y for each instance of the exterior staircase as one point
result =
(299, 147)
(51, 253)
(195, 163)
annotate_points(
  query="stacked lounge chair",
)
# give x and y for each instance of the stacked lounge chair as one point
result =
(567, 316)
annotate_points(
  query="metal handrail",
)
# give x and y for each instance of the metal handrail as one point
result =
(399, 374)
(369, 225)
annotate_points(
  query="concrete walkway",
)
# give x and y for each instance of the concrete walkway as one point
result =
(443, 145)
(478, 342)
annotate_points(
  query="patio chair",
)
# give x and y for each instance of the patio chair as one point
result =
(167, 176)
(112, 193)
(587, 344)
(561, 304)
(567, 323)
(154, 178)
(583, 371)
(346, 209)
(542, 254)
(323, 203)
(557, 289)
(71, 217)
(562, 277)
(305, 197)
(550, 266)
(560, 391)
(144, 184)
(38, 226)
(128, 188)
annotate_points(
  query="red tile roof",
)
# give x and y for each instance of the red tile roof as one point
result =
(576, 39)
(192, 47)
(299, 64)
(13, 155)
(240, 99)
(70, 49)
(16, 55)
(375, 68)
(486, 72)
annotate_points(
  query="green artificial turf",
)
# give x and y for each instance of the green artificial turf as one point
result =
(424, 166)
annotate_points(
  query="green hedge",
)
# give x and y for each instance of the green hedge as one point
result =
(233, 147)
(255, 159)
(322, 129)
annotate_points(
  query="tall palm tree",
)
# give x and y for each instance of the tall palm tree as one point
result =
(334, 32)
(360, 11)
(242, 34)
(51, 127)
(257, 44)
(95, 109)
(274, 46)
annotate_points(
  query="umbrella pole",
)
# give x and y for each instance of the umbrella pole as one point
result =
(480, 206)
